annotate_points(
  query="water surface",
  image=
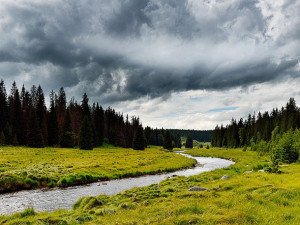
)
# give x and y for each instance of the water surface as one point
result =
(64, 198)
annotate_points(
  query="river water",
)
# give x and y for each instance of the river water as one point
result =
(64, 198)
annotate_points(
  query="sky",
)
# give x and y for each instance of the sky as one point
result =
(188, 64)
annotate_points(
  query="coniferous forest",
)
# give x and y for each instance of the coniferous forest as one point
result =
(257, 127)
(25, 120)
(276, 134)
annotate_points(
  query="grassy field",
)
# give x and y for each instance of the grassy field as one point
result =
(26, 168)
(246, 198)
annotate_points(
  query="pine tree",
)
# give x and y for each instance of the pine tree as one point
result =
(99, 124)
(167, 141)
(52, 123)
(35, 138)
(86, 133)
(67, 136)
(189, 142)
(85, 106)
(61, 107)
(86, 112)
(17, 122)
(3, 106)
(40, 105)
(138, 142)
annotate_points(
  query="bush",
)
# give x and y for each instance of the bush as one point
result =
(287, 149)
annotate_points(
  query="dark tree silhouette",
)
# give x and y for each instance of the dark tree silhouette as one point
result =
(35, 138)
(139, 139)
(167, 141)
(3, 106)
(86, 140)
(189, 142)
(67, 137)
(52, 122)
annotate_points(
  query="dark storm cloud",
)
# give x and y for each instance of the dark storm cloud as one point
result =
(121, 50)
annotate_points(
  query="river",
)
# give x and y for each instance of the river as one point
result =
(63, 198)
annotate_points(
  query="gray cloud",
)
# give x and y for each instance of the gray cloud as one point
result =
(121, 50)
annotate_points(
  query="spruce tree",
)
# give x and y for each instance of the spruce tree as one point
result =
(189, 142)
(67, 136)
(99, 124)
(18, 124)
(86, 135)
(35, 138)
(138, 142)
(167, 141)
(86, 112)
(52, 123)
(85, 106)
(3, 106)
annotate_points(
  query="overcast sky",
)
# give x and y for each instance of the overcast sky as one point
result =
(176, 64)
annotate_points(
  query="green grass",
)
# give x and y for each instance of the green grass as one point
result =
(27, 168)
(246, 198)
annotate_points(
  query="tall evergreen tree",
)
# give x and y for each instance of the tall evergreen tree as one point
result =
(17, 117)
(167, 141)
(52, 123)
(85, 106)
(99, 124)
(86, 133)
(61, 107)
(35, 138)
(3, 106)
(138, 142)
(67, 136)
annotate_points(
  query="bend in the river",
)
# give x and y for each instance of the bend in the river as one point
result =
(58, 198)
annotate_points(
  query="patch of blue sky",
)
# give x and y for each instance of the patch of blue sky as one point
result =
(223, 109)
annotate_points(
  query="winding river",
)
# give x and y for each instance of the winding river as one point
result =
(64, 198)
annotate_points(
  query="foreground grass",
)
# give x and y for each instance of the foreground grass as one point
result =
(26, 168)
(246, 198)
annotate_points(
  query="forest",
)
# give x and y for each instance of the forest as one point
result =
(199, 135)
(26, 121)
(274, 133)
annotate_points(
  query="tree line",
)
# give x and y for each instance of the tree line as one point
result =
(25, 120)
(199, 135)
(276, 133)
(257, 128)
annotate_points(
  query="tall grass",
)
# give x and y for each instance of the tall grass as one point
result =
(246, 198)
(28, 168)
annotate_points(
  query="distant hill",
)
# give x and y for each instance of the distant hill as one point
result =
(199, 135)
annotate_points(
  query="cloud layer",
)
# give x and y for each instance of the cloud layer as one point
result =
(128, 50)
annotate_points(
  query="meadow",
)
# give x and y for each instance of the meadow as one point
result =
(245, 198)
(28, 168)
